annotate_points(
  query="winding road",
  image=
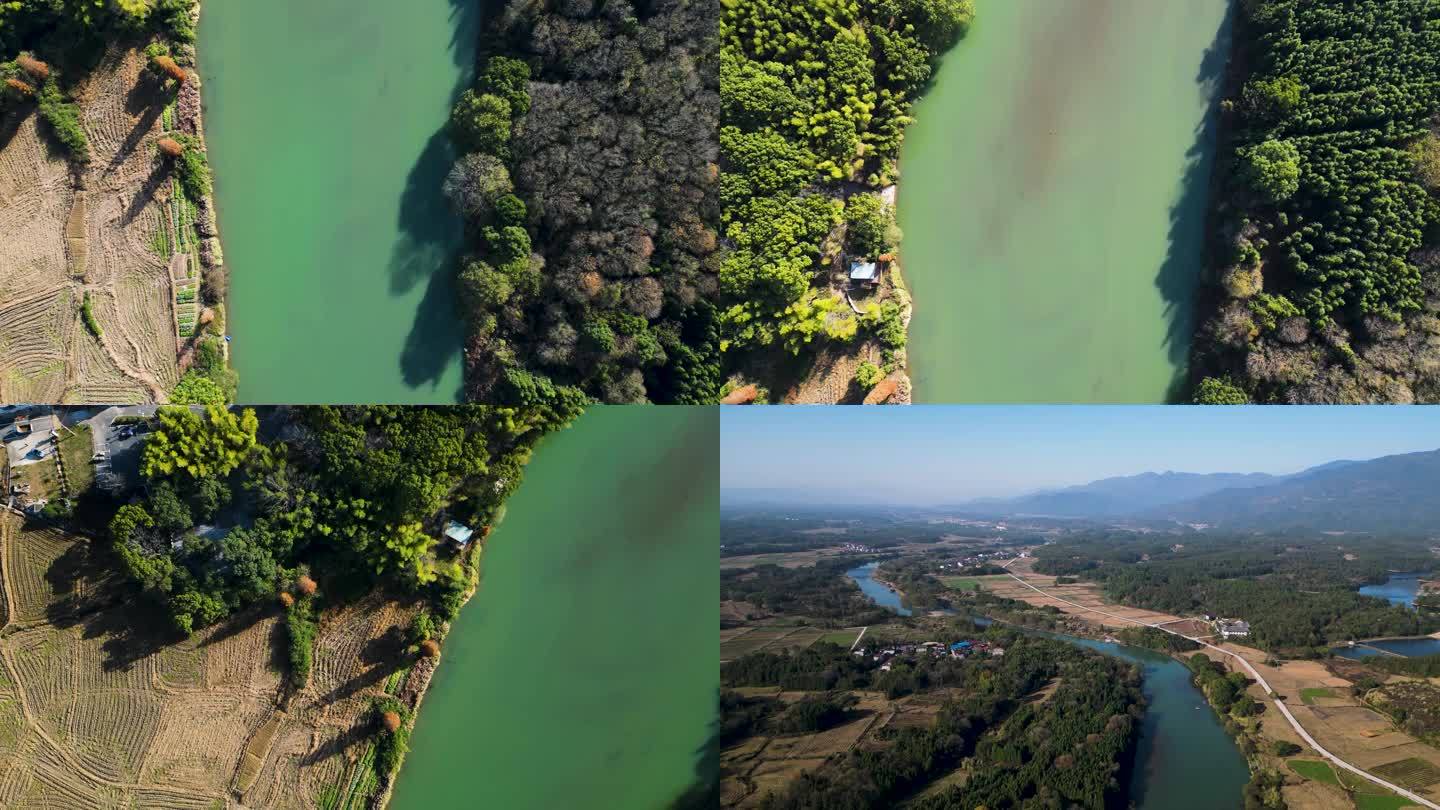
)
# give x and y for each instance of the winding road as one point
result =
(1260, 679)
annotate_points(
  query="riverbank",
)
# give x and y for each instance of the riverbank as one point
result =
(328, 175)
(621, 568)
(212, 321)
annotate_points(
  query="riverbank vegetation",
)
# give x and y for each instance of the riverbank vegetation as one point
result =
(587, 186)
(820, 593)
(1326, 228)
(353, 497)
(1046, 723)
(1298, 593)
(815, 98)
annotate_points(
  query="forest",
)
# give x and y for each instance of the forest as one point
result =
(586, 182)
(314, 504)
(1070, 750)
(820, 592)
(815, 98)
(1299, 596)
(1326, 227)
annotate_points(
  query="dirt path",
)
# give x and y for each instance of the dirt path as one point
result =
(1260, 679)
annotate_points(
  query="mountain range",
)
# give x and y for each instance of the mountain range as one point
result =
(1391, 493)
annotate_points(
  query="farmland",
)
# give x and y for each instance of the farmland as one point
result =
(99, 709)
(71, 233)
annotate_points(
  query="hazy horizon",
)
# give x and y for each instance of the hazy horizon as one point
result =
(935, 455)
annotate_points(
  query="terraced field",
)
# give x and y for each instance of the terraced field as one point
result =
(99, 709)
(66, 232)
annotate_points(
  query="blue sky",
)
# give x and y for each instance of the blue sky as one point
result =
(921, 454)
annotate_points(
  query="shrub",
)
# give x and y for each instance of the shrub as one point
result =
(305, 585)
(18, 89)
(429, 649)
(868, 375)
(390, 721)
(422, 627)
(87, 314)
(194, 173)
(64, 120)
(166, 66)
(1285, 748)
(300, 628)
(390, 748)
(169, 147)
(38, 70)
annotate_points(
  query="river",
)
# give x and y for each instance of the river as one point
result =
(1053, 201)
(1184, 759)
(879, 593)
(323, 121)
(584, 672)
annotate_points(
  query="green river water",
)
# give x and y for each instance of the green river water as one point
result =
(323, 119)
(1053, 200)
(584, 672)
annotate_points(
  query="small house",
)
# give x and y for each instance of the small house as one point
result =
(458, 533)
(864, 273)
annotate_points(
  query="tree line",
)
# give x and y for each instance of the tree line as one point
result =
(338, 500)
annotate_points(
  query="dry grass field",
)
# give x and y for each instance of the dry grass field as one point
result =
(66, 233)
(98, 709)
(764, 764)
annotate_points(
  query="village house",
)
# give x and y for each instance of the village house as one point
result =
(1234, 629)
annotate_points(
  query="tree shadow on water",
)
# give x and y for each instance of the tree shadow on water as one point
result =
(436, 336)
(431, 234)
(1179, 274)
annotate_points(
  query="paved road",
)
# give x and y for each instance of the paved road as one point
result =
(1260, 679)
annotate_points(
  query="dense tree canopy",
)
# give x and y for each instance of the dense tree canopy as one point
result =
(814, 101)
(1331, 207)
(232, 514)
(588, 190)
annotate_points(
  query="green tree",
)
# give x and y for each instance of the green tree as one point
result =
(1272, 170)
(199, 447)
(481, 122)
(1220, 391)
(868, 375)
(871, 228)
(1271, 99)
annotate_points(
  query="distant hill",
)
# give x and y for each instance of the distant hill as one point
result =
(1123, 496)
(1393, 493)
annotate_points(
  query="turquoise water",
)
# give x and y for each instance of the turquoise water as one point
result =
(1053, 198)
(323, 121)
(584, 672)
